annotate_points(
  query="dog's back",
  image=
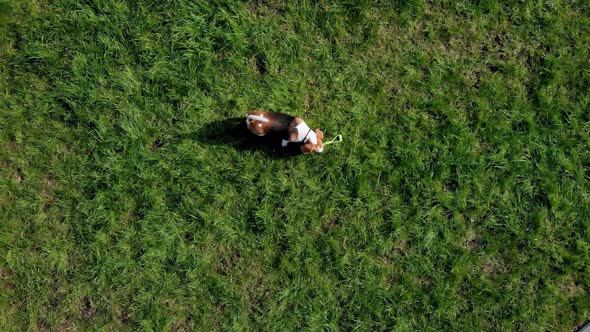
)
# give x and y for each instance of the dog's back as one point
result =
(280, 121)
(263, 123)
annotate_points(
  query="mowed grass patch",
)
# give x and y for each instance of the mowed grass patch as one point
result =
(457, 201)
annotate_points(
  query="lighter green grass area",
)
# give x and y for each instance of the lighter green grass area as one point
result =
(459, 200)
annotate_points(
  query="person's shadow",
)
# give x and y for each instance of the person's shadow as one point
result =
(234, 133)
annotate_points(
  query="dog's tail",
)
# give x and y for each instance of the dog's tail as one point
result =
(251, 117)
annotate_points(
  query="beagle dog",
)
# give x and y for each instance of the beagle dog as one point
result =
(289, 128)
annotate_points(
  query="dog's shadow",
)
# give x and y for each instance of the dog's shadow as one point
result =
(233, 132)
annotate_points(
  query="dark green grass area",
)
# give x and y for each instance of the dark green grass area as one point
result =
(459, 200)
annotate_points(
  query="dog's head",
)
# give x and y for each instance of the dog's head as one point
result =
(312, 144)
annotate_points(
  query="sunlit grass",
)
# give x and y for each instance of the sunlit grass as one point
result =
(457, 201)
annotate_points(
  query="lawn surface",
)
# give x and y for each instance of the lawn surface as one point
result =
(459, 200)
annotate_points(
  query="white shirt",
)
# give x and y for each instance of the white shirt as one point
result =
(303, 130)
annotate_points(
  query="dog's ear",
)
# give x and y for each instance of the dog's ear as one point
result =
(320, 134)
(307, 148)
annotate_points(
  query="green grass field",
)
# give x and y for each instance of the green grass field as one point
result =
(459, 200)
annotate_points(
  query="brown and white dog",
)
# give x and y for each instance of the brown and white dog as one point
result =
(289, 128)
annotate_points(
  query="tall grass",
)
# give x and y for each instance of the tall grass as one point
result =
(458, 201)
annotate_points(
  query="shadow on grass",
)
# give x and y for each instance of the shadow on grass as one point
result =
(234, 133)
